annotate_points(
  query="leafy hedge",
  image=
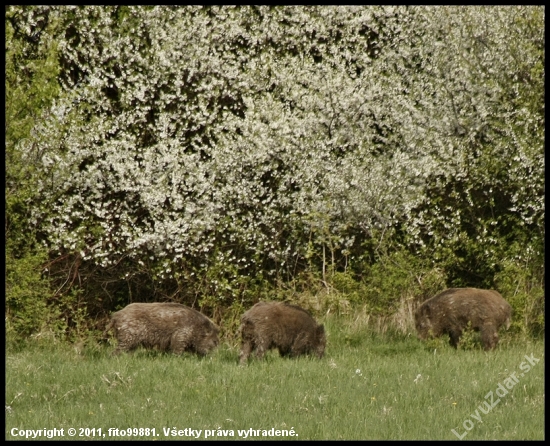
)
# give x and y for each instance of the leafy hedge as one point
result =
(218, 155)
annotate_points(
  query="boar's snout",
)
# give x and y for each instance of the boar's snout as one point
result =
(213, 339)
(423, 326)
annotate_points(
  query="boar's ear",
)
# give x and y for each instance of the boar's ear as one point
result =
(320, 330)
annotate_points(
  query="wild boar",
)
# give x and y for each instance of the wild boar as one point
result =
(166, 326)
(450, 311)
(288, 328)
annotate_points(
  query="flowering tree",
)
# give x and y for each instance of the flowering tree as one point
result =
(197, 145)
(490, 82)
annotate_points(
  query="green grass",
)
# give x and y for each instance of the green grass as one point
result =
(368, 386)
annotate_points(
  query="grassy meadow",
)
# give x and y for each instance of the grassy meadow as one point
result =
(370, 385)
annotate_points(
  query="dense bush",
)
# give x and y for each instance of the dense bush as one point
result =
(216, 155)
(31, 72)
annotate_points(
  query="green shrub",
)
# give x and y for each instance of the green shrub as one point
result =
(26, 296)
(521, 287)
(401, 275)
(470, 339)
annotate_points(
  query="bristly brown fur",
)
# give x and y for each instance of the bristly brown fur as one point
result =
(450, 311)
(166, 326)
(288, 328)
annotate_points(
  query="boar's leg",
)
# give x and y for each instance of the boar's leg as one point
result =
(454, 337)
(124, 347)
(117, 351)
(261, 347)
(246, 348)
(489, 336)
(300, 345)
(180, 340)
(285, 352)
(126, 343)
